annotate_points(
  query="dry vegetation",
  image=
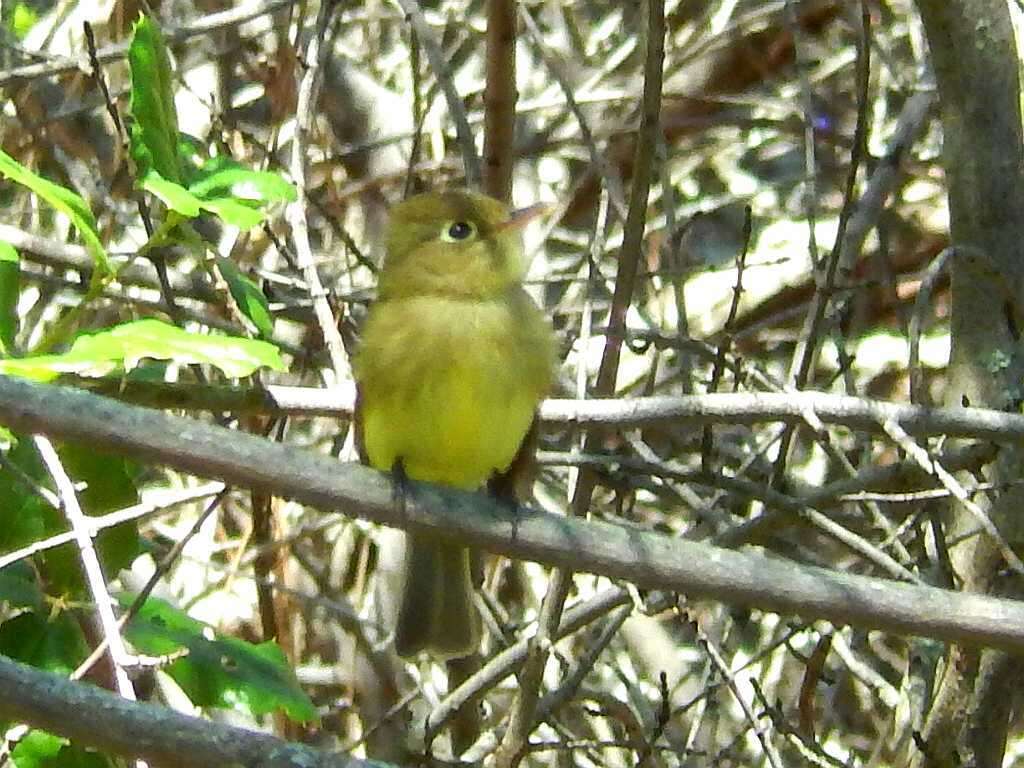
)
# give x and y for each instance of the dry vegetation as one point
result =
(658, 678)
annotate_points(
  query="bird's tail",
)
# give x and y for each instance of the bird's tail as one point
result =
(437, 614)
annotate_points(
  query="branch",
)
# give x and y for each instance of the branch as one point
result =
(716, 408)
(211, 22)
(500, 99)
(305, 111)
(651, 560)
(93, 717)
(446, 82)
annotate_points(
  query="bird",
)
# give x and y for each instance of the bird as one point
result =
(453, 362)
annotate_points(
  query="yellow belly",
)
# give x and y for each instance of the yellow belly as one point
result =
(450, 386)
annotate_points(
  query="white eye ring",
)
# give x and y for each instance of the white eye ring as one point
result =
(457, 231)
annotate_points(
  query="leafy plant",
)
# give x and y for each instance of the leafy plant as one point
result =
(220, 672)
(40, 597)
(123, 347)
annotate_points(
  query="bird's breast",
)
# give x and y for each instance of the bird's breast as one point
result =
(450, 386)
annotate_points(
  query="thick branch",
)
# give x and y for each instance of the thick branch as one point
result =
(648, 559)
(92, 717)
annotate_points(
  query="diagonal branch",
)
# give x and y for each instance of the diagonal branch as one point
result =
(651, 560)
(92, 717)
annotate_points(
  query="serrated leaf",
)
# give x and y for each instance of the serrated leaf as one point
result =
(220, 175)
(154, 130)
(249, 297)
(65, 201)
(124, 346)
(220, 672)
(9, 293)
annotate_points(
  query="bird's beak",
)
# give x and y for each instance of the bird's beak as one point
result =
(521, 217)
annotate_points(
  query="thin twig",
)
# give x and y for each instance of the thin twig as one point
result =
(598, 158)
(94, 577)
(512, 658)
(158, 573)
(736, 408)
(309, 90)
(922, 304)
(706, 442)
(96, 524)
(521, 720)
(205, 24)
(456, 109)
(722, 667)
(807, 346)
(950, 483)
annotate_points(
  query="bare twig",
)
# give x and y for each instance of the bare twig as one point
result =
(439, 64)
(720, 664)
(922, 304)
(94, 525)
(950, 483)
(807, 346)
(203, 25)
(522, 718)
(309, 90)
(512, 658)
(598, 158)
(500, 98)
(94, 577)
(725, 345)
(746, 408)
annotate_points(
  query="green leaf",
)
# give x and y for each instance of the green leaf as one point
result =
(37, 749)
(9, 292)
(23, 19)
(222, 672)
(249, 297)
(19, 587)
(124, 346)
(172, 194)
(55, 644)
(220, 175)
(154, 131)
(78, 757)
(27, 518)
(237, 213)
(65, 201)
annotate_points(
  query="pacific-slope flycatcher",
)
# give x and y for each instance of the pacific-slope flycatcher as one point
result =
(455, 358)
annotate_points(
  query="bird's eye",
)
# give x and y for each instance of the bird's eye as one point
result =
(456, 231)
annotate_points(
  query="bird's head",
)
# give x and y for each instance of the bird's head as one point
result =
(456, 244)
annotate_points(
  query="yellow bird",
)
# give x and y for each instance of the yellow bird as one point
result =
(455, 358)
